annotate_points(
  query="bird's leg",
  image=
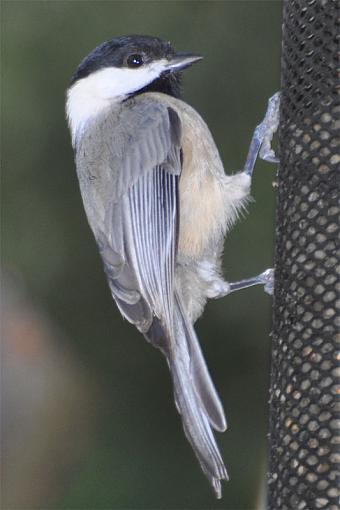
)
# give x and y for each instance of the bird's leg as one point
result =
(266, 279)
(221, 288)
(260, 144)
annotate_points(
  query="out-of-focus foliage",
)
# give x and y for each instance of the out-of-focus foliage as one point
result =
(136, 455)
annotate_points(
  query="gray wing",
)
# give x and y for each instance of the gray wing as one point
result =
(142, 221)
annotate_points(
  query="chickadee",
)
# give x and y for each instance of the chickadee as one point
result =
(159, 205)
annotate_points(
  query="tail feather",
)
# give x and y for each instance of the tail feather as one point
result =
(196, 425)
(196, 399)
(195, 396)
(203, 384)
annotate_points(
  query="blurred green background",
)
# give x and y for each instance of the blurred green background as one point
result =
(88, 415)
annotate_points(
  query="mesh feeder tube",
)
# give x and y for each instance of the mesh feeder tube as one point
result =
(304, 394)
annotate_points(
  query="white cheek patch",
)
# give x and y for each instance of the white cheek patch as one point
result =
(89, 96)
(119, 82)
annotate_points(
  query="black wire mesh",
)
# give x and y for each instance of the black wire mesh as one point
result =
(305, 390)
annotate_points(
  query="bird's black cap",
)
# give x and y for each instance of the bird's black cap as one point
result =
(114, 53)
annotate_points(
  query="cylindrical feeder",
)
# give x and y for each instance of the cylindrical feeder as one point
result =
(305, 392)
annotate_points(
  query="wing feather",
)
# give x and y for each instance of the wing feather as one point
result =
(139, 252)
(151, 218)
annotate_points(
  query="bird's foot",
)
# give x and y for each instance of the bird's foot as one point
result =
(269, 126)
(267, 280)
(221, 288)
(260, 144)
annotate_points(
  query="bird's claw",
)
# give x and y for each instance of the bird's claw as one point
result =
(267, 278)
(268, 128)
(260, 144)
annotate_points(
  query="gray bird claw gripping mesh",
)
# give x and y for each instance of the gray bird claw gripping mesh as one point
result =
(304, 396)
(269, 126)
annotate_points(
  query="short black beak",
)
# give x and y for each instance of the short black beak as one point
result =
(181, 61)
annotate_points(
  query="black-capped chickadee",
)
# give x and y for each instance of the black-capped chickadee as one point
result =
(159, 205)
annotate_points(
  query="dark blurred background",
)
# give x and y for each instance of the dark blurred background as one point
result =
(89, 420)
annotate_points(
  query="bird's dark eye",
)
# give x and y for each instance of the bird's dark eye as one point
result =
(135, 60)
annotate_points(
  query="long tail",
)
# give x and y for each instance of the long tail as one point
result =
(195, 396)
